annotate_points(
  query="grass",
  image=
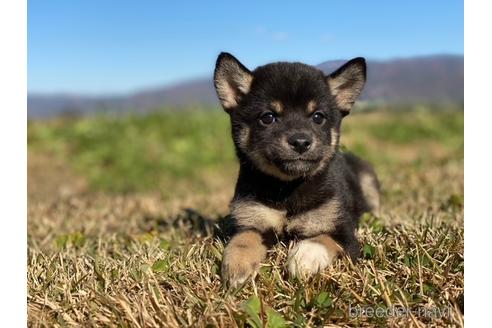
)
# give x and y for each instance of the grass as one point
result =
(139, 153)
(125, 227)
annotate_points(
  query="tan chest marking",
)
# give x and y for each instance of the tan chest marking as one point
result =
(320, 220)
(251, 214)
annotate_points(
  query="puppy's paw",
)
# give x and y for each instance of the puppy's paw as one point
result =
(242, 257)
(236, 270)
(310, 256)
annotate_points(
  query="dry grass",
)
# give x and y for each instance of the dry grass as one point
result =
(145, 259)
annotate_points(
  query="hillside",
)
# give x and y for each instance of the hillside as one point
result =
(420, 79)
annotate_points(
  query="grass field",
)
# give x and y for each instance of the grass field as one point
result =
(124, 220)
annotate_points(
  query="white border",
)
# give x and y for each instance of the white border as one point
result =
(13, 176)
(13, 73)
(478, 165)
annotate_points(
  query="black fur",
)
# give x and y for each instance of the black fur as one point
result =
(276, 174)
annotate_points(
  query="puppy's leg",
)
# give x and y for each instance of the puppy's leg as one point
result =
(259, 224)
(242, 257)
(368, 182)
(312, 255)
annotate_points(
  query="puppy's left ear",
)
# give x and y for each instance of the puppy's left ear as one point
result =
(346, 83)
(232, 81)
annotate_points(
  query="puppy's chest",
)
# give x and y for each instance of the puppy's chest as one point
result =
(304, 199)
(300, 214)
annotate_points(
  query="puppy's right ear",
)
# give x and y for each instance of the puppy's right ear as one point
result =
(232, 81)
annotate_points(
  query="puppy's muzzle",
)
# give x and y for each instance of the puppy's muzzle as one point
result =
(300, 142)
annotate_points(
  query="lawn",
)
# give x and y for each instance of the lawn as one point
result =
(126, 227)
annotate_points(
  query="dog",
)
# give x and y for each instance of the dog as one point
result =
(293, 181)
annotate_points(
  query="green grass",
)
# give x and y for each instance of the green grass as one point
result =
(138, 153)
(443, 128)
(140, 245)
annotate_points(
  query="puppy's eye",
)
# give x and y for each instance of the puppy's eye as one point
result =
(267, 118)
(318, 118)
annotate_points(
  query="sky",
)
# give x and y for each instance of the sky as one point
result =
(98, 47)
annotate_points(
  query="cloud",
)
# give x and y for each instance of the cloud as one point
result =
(278, 36)
(327, 38)
(260, 29)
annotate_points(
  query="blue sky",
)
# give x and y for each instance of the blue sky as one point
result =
(107, 46)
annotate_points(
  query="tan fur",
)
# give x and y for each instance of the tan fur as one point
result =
(226, 94)
(273, 170)
(346, 88)
(329, 154)
(270, 169)
(311, 107)
(242, 257)
(321, 219)
(230, 83)
(331, 245)
(250, 214)
(370, 191)
(243, 137)
(334, 137)
(277, 107)
(244, 83)
(325, 160)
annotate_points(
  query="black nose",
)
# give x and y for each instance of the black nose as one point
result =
(300, 142)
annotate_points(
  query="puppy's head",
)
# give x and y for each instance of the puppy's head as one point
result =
(286, 116)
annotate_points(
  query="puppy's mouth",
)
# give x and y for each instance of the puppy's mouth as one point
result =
(297, 166)
(299, 159)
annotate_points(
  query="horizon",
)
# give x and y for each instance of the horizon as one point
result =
(172, 84)
(115, 48)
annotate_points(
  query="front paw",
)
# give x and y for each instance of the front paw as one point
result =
(236, 270)
(242, 257)
(311, 256)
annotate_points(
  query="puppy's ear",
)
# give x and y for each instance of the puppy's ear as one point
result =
(346, 83)
(232, 81)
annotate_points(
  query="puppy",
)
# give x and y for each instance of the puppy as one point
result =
(293, 181)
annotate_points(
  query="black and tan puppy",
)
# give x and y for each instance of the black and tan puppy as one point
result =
(293, 181)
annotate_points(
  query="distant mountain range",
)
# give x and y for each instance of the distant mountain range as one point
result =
(438, 78)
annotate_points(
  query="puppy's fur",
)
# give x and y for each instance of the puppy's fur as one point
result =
(293, 181)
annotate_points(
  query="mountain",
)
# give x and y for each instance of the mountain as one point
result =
(424, 79)
(437, 78)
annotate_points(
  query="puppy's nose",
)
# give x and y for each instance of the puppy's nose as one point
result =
(300, 142)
